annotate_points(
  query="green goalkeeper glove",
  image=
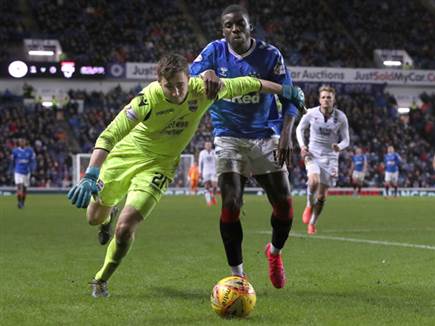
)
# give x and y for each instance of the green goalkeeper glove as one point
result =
(80, 194)
(295, 95)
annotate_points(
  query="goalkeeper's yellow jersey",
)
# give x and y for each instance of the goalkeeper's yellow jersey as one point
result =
(155, 126)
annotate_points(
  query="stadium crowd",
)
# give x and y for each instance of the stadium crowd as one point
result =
(89, 31)
(44, 132)
(412, 135)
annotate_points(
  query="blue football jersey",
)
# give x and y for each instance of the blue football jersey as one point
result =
(255, 115)
(358, 162)
(392, 161)
(23, 160)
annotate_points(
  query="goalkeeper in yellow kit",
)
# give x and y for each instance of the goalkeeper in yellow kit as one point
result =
(137, 154)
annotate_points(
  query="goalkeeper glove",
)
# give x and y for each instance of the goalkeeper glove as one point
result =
(80, 194)
(295, 95)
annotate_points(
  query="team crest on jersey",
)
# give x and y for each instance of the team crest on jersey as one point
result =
(193, 105)
(223, 71)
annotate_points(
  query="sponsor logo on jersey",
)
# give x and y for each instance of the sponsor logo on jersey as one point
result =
(325, 131)
(245, 99)
(193, 105)
(176, 127)
(166, 111)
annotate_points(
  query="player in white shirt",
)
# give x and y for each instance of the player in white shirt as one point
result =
(327, 125)
(207, 171)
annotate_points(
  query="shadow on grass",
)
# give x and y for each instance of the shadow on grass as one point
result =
(168, 292)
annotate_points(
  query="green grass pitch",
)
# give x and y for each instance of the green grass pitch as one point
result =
(371, 263)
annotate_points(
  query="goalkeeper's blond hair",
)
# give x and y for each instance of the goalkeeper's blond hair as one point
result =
(327, 88)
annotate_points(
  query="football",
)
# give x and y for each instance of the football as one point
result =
(233, 296)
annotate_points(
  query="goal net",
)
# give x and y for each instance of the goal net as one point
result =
(81, 162)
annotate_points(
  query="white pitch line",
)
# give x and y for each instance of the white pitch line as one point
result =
(428, 229)
(374, 242)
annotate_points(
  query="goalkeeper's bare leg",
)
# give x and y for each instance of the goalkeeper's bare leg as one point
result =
(96, 213)
(103, 216)
(127, 224)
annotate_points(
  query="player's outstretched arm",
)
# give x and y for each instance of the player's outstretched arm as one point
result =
(212, 83)
(244, 85)
(290, 92)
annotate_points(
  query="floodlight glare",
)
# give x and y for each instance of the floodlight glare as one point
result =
(392, 63)
(41, 52)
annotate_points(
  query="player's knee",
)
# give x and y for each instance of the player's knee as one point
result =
(321, 198)
(313, 183)
(123, 232)
(283, 209)
(95, 216)
(230, 214)
(92, 217)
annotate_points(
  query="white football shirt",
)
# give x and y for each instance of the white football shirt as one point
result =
(323, 133)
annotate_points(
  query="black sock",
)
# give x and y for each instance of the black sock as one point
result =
(280, 231)
(232, 236)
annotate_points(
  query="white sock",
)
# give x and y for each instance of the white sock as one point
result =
(313, 219)
(274, 251)
(237, 270)
(207, 196)
(314, 215)
(310, 198)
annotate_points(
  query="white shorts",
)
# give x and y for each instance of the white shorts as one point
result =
(246, 156)
(392, 177)
(22, 179)
(358, 175)
(209, 177)
(326, 167)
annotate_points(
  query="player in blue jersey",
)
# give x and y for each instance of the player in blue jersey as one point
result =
(246, 142)
(22, 164)
(358, 170)
(392, 161)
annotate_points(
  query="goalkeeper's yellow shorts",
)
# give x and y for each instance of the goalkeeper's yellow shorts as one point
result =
(131, 172)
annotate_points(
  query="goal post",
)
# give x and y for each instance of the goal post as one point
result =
(81, 162)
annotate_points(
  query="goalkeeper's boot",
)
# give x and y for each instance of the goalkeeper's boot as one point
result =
(105, 232)
(311, 230)
(306, 216)
(276, 268)
(99, 288)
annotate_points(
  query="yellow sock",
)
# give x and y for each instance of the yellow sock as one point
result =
(115, 252)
